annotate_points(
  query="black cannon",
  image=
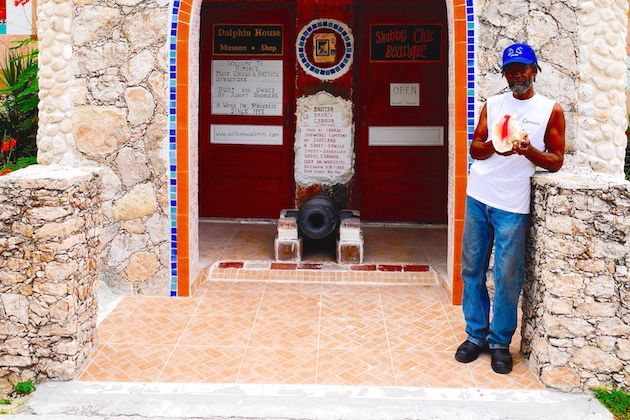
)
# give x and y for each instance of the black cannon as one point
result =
(318, 228)
(319, 217)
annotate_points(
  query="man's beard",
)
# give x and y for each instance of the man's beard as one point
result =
(520, 86)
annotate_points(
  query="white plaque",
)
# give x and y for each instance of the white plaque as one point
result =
(247, 87)
(266, 135)
(406, 136)
(324, 148)
(404, 94)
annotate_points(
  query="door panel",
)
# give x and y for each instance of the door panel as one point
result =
(402, 81)
(241, 179)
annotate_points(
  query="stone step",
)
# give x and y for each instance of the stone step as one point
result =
(307, 272)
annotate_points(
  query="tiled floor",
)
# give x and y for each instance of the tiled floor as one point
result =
(294, 333)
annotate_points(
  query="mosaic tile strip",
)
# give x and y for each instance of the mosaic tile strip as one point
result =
(470, 74)
(172, 145)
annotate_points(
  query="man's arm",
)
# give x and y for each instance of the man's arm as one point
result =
(553, 156)
(480, 148)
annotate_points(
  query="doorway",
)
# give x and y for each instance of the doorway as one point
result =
(246, 102)
(401, 102)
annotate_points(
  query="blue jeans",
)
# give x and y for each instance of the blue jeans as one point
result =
(484, 227)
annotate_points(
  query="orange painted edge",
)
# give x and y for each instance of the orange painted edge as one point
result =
(461, 144)
(182, 211)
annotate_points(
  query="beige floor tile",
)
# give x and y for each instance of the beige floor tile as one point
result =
(343, 367)
(350, 289)
(107, 328)
(127, 363)
(231, 331)
(413, 335)
(234, 303)
(151, 329)
(297, 288)
(412, 307)
(430, 369)
(288, 332)
(352, 333)
(212, 286)
(290, 305)
(278, 366)
(203, 364)
(348, 306)
(168, 305)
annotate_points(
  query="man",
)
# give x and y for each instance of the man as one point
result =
(497, 206)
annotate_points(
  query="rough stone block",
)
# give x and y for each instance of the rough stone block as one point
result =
(288, 249)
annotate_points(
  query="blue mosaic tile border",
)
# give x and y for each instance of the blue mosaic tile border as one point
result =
(470, 74)
(172, 145)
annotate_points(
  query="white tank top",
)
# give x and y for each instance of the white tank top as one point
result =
(503, 182)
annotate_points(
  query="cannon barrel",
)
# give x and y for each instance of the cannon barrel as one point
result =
(319, 217)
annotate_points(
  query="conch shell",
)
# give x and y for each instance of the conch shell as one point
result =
(505, 134)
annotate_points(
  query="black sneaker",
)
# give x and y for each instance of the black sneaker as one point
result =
(501, 360)
(468, 351)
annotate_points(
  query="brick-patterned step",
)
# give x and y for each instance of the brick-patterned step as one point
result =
(323, 272)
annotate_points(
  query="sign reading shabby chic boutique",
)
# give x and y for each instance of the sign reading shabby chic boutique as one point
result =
(247, 39)
(247, 87)
(406, 43)
(324, 150)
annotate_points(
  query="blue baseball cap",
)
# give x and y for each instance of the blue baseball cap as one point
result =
(519, 53)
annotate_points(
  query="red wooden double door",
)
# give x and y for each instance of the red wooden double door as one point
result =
(247, 113)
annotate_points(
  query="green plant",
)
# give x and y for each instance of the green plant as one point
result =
(19, 97)
(5, 401)
(615, 400)
(23, 388)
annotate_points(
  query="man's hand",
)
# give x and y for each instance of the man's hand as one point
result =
(523, 146)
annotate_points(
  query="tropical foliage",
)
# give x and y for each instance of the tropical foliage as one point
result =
(18, 106)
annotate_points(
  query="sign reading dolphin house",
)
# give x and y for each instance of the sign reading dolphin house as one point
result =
(247, 39)
(406, 43)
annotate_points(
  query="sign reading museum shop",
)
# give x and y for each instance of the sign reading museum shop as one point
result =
(247, 39)
(406, 43)
(247, 87)
(323, 147)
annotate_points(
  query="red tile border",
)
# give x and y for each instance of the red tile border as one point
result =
(364, 267)
(416, 268)
(389, 267)
(310, 266)
(283, 266)
(231, 264)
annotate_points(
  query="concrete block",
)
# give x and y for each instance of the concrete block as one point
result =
(349, 252)
(288, 249)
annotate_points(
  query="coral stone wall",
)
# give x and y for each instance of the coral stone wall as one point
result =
(120, 124)
(576, 314)
(581, 47)
(551, 28)
(49, 258)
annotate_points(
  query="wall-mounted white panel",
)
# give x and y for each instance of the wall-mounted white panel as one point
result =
(406, 136)
(265, 135)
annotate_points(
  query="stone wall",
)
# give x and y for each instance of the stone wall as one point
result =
(49, 257)
(551, 28)
(576, 314)
(120, 124)
(581, 47)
